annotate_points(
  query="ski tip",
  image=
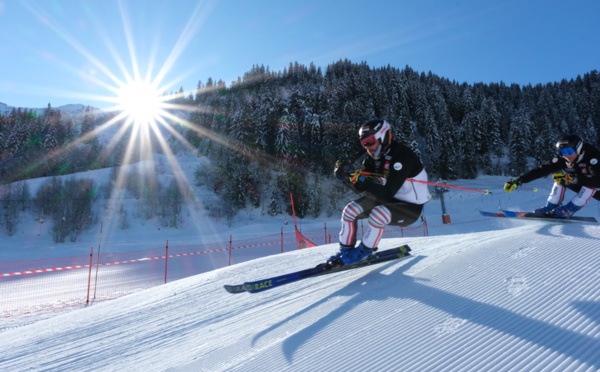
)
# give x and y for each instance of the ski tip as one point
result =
(235, 289)
(405, 249)
(491, 214)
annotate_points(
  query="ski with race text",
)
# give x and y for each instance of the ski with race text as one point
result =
(321, 269)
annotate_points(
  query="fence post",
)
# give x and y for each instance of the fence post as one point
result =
(87, 301)
(230, 248)
(426, 229)
(98, 260)
(325, 236)
(281, 237)
(166, 260)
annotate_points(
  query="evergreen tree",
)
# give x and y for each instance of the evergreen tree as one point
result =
(519, 143)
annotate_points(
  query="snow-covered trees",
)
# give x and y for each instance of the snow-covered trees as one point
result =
(272, 133)
(68, 204)
(302, 121)
(14, 199)
(461, 130)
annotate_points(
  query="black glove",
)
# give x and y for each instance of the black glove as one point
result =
(343, 169)
(511, 185)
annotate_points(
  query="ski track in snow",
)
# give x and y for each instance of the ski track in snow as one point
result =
(522, 298)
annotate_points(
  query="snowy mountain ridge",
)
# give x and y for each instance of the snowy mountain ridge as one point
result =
(70, 109)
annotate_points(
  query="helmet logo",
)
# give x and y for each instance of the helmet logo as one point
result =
(397, 166)
(382, 131)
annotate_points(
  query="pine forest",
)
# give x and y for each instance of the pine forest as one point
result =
(271, 133)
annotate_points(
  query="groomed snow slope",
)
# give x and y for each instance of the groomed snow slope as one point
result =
(523, 298)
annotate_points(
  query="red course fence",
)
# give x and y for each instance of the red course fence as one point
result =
(35, 286)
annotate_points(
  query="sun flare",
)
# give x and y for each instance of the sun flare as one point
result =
(145, 121)
(140, 102)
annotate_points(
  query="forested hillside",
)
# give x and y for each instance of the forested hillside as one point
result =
(272, 133)
(303, 117)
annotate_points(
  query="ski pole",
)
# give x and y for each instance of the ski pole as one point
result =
(534, 189)
(369, 174)
(450, 186)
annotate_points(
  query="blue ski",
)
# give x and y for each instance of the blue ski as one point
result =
(321, 269)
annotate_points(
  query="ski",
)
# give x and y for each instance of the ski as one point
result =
(509, 213)
(321, 269)
(537, 216)
(492, 214)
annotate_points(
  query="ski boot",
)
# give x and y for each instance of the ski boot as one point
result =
(565, 211)
(336, 259)
(357, 254)
(547, 210)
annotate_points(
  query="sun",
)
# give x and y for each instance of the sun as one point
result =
(140, 102)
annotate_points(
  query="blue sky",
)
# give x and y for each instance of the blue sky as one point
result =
(78, 51)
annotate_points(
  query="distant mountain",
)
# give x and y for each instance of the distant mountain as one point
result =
(71, 109)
